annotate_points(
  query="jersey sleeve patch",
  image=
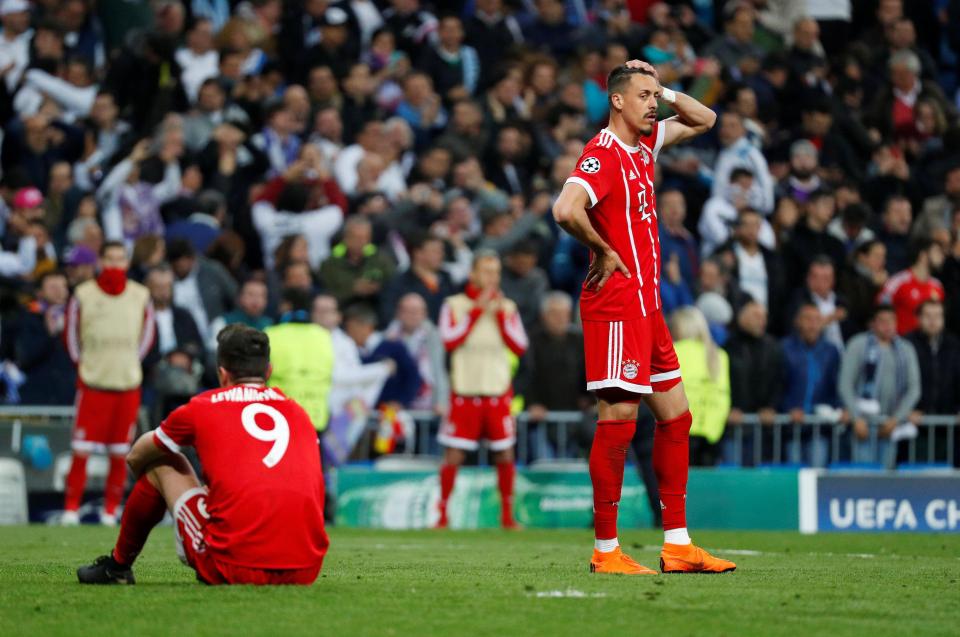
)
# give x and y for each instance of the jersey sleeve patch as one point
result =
(590, 165)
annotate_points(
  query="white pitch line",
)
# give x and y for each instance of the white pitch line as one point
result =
(750, 553)
(569, 593)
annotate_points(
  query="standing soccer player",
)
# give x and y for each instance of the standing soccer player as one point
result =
(608, 204)
(109, 330)
(259, 519)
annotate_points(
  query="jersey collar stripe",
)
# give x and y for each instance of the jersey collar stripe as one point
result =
(580, 181)
(166, 440)
(633, 243)
(620, 142)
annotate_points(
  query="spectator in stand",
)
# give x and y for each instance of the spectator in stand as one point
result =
(454, 67)
(675, 239)
(211, 111)
(356, 269)
(706, 379)
(202, 286)
(851, 227)
(811, 238)
(131, 200)
(895, 232)
(893, 107)
(109, 330)
(303, 201)
(176, 363)
(756, 377)
(879, 385)
(738, 152)
(860, 284)
(39, 348)
(939, 211)
(812, 365)
(524, 282)
(19, 242)
(491, 31)
(938, 355)
(425, 276)
(80, 263)
(803, 179)
(905, 291)
(422, 338)
(819, 290)
(556, 345)
(250, 311)
(277, 140)
(402, 387)
(757, 270)
(735, 49)
(720, 214)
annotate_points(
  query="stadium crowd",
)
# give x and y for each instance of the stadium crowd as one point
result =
(358, 153)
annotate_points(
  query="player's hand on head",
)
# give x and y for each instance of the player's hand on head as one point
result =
(640, 64)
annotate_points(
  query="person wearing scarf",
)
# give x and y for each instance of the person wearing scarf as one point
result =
(879, 384)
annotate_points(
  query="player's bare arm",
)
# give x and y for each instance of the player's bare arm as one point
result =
(144, 453)
(692, 118)
(570, 212)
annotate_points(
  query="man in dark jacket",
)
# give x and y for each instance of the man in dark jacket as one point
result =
(810, 238)
(425, 276)
(202, 286)
(39, 349)
(756, 373)
(938, 353)
(360, 324)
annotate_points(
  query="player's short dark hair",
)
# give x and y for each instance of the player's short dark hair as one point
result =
(243, 351)
(821, 260)
(112, 244)
(739, 172)
(619, 77)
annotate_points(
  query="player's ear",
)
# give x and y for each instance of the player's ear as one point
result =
(616, 101)
(223, 376)
(269, 371)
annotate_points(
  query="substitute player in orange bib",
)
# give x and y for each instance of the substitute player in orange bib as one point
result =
(609, 204)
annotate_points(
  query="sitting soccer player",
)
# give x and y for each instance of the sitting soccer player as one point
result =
(259, 519)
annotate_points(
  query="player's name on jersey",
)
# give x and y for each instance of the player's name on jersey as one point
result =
(246, 395)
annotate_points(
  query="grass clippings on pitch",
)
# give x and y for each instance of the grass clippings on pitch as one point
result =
(498, 584)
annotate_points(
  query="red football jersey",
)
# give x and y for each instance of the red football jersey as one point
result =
(623, 210)
(905, 293)
(261, 465)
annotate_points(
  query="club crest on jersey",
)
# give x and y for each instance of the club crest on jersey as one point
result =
(630, 369)
(590, 165)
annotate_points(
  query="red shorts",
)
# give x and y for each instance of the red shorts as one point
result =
(635, 355)
(190, 521)
(474, 417)
(106, 420)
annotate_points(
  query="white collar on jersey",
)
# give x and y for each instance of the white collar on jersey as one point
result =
(623, 144)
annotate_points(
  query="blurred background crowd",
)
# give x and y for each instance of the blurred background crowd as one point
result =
(281, 160)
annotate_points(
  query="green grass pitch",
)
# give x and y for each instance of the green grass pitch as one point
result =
(498, 584)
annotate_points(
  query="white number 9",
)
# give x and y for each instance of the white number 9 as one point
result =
(279, 435)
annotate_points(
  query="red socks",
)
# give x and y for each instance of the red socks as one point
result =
(607, 457)
(145, 508)
(76, 481)
(448, 476)
(671, 462)
(505, 476)
(116, 481)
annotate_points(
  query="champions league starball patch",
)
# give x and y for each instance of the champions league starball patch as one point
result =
(590, 165)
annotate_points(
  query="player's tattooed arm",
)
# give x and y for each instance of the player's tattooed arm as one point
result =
(692, 118)
(570, 212)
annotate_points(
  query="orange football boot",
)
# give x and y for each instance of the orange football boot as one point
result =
(689, 558)
(618, 562)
